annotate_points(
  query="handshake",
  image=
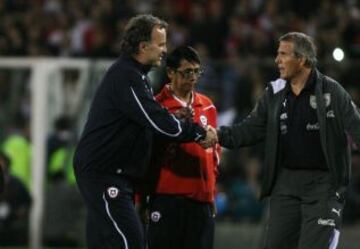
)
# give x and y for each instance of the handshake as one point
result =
(186, 114)
(211, 138)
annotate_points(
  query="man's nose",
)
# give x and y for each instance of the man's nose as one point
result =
(192, 76)
(277, 60)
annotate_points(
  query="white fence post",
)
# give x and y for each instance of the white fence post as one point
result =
(39, 86)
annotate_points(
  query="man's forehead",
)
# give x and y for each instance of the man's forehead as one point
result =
(158, 33)
(286, 45)
(188, 64)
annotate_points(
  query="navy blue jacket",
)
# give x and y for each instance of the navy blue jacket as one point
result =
(123, 117)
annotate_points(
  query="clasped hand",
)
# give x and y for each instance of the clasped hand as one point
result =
(211, 137)
(187, 113)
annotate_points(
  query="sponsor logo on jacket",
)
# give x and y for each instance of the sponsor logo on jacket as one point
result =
(313, 127)
(326, 222)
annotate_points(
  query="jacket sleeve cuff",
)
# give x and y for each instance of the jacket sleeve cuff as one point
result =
(200, 134)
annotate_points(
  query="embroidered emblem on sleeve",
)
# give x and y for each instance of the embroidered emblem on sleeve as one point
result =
(155, 216)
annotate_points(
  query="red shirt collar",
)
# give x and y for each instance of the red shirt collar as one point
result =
(169, 97)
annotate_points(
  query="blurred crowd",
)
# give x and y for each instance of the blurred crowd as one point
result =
(226, 29)
(238, 34)
(237, 41)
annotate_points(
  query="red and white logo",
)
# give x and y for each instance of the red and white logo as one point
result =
(203, 120)
(113, 192)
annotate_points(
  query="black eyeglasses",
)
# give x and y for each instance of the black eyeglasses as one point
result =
(187, 73)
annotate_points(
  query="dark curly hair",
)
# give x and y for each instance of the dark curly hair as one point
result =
(182, 53)
(137, 30)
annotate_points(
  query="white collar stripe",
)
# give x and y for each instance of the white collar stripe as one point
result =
(182, 103)
(278, 85)
(208, 107)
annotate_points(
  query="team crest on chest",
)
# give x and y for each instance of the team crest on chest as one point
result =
(326, 97)
(203, 120)
(313, 101)
(113, 192)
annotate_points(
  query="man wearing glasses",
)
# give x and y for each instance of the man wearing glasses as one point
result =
(182, 182)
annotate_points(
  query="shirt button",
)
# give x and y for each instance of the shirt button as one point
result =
(119, 171)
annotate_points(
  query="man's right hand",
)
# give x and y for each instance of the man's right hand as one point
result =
(211, 138)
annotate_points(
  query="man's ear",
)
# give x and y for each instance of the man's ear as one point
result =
(302, 61)
(170, 73)
(143, 46)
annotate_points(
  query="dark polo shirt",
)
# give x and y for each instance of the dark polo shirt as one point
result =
(299, 129)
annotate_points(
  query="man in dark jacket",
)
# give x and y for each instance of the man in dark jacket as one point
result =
(304, 118)
(115, 146)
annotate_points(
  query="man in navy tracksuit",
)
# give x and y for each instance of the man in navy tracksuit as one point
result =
(115, 146)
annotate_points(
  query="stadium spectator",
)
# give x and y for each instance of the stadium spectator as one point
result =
(15, 204)
(60, 150)
(17, 147)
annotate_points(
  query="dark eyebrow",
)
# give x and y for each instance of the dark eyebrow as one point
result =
(196, 67)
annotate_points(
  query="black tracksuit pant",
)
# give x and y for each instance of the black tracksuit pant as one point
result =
(112, 222)
(180, 223)
(305, 211)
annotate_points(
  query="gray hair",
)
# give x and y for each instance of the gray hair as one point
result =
(304, 47)
(139, 29)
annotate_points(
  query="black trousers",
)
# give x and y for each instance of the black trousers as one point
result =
(180, 223)
(305, 211)
(112, 221)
